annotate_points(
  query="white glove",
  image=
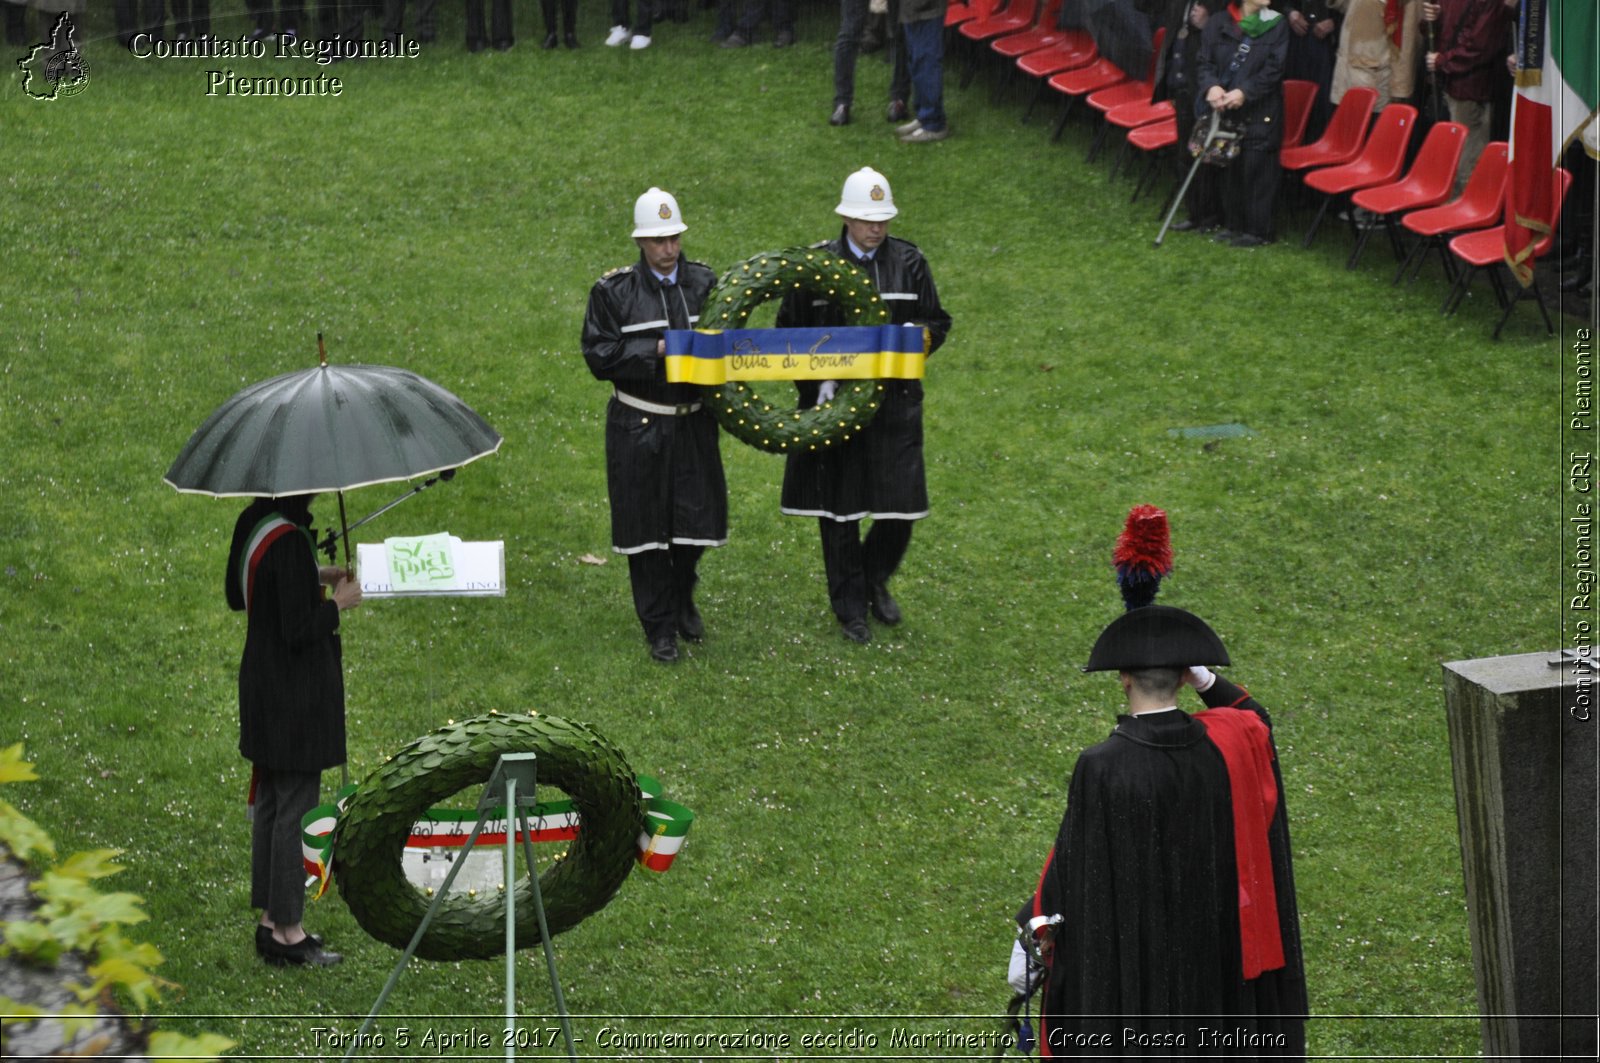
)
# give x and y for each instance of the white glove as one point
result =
(1202, 677)
(878, 7)
(826, 392)
(1017, 970)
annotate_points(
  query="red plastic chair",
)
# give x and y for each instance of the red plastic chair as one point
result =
(1075, 50)
(1381, 159)
(1298, 96)
(1479, 206)
(1129, 94)
(956, 14)
(1487, 248)
(1043, 35)
(1083, 81)
(1153, 139)
(1343, 138)
(1016, 15)
(1432, 176)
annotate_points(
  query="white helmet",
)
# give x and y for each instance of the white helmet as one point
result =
(866, 197)
(656, 214)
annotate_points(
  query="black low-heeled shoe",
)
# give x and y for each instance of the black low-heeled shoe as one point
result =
(264, 939)
(307, 952)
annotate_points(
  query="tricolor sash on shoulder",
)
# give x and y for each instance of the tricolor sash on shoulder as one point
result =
(269, 531)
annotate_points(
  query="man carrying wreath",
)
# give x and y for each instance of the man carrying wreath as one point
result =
(878, 472)
(669, 499)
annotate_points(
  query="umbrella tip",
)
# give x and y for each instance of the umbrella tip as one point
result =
(322, 350)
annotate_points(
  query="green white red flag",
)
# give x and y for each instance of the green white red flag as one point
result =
(1558, 90)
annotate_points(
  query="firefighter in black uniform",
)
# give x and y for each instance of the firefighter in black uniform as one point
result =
(879, 473)
(669, 500)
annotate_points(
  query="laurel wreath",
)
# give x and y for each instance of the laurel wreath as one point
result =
(371, 835)
(781, 429)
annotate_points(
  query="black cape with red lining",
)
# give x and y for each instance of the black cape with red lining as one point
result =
(1145, 876)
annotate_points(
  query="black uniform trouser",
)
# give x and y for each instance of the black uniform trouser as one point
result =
(643, 20)
(192, 17)
(852, 19)
(854, 566)
(569, 15)
(394, 18)
(292, 15)
(663, 585)
(277, 876)
(756, 10)
(133, 17)
(499, 22)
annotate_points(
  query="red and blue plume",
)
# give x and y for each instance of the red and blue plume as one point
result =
(1143, 556)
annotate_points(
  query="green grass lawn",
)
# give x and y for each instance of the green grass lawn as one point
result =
(869, 818)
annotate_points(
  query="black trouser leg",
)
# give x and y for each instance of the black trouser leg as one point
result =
(277, 876)
(651, 574)
(844, 561)
(852, 16)
(500, 22)
(886, 545)
(685, 574)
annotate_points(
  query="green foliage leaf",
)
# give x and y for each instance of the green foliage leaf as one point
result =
(22, 835)
(135, 980)
(30, 941)
(13, 768)
(95, 863)
(168, 1047)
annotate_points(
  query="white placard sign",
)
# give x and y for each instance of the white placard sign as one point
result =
(440, 564)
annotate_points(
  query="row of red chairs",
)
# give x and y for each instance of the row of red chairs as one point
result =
(1355, 157)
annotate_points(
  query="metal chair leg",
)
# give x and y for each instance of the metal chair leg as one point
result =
(1317, 221)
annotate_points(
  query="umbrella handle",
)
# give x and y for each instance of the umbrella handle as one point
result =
(329, 545)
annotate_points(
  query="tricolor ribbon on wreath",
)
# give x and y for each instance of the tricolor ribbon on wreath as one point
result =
(666, 825)
(713, 357)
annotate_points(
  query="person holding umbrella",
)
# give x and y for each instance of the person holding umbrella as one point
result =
(669, 499)
(291, 705)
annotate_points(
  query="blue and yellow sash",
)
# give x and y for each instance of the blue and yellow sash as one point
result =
(857, 352)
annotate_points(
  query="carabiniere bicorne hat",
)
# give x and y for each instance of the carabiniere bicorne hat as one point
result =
(1155, 636)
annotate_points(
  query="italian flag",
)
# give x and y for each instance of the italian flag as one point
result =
(1558, 89)
(666, 825)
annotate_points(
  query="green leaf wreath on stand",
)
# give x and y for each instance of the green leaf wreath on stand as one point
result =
(778, 427)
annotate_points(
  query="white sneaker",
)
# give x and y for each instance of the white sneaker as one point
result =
(618, 35)
(909, 127)
(639, 43)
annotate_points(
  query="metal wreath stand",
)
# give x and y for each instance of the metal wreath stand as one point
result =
(514, 782)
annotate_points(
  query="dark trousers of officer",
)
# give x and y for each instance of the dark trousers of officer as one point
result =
(292, 16)
(499, 23)
(852, 20)
(640, 25)
(569, 15)
(192, 17)
(427, 21)
(663, 585)
(756, 10)
(277, 876)
(134, 17)
(854, 566)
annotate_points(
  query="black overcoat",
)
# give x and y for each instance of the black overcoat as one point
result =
(1145, 878)
(1257, 71)
(880, 471)
(291, 676)
(663, 471)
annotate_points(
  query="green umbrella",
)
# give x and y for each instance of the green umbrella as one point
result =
(330, 428)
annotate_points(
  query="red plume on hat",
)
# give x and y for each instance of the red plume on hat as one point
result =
(1143, 555)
